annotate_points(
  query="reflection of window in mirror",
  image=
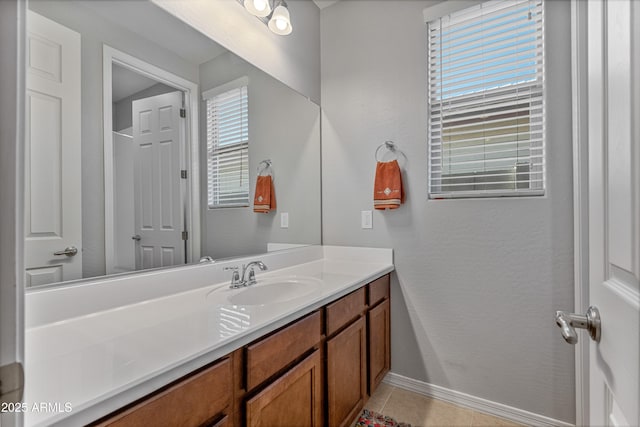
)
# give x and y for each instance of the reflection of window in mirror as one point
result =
(228, 145)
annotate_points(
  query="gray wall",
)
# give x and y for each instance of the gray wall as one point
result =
(122, 110)
(477, 282)
(95, 31)
(284, 126)
(292, 59)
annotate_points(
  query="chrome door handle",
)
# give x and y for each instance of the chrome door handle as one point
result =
(568, 321)
(70, 251)
(136, 237)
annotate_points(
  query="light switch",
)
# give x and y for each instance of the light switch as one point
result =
(284, 220)
(367, 219)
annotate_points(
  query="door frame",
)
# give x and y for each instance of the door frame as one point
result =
(579, 85)
(112, 56)
(12, 115)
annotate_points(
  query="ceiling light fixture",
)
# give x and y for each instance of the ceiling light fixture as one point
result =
(280, 21)
(274, 13)
(259, 8)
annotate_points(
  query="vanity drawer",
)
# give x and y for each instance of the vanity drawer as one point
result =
(345, 310)
(269, 355)
(190, 402)
(378, 290)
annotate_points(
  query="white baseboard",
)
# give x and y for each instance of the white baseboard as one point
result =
(472, 402)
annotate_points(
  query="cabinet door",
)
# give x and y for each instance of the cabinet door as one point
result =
(190, 402)
(293, 400)
(346, 374)
(379, 344)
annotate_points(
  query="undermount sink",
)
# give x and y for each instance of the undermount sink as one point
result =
(275, 290)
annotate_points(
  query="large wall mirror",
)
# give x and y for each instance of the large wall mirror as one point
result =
(144, 143)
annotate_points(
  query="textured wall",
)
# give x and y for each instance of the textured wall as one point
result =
(284, 126)
(477, 281)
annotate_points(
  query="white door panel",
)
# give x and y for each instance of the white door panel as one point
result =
(53, 218)
(614, 213)
(159, 205)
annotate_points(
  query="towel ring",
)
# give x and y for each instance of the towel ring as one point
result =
(264, 165)
(390, 146)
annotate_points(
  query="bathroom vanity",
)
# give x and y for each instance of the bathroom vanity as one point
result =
(306, 345)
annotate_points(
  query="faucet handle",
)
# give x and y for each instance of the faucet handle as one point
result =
(235, 277)
(252, 277)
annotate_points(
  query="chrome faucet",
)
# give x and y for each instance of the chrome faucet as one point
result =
(238, 281)
(251, 280)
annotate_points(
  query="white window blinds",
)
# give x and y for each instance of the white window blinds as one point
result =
(228, 148)
(486, 101)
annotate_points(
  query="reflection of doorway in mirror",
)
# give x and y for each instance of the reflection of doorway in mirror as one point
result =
(158, 193)
(149, 204)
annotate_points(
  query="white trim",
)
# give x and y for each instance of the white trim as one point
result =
(580, 199)
(472, 402)
(113, 56)
(233, 84)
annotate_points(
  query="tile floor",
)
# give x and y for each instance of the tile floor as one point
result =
(422, 411)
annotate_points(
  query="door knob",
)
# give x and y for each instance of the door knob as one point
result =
(569, 321)
(136, 237)
(70, 251)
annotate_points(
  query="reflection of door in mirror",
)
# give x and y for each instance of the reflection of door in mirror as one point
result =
(148, 146)
(149, 194)
(53, 224)
(158, 202)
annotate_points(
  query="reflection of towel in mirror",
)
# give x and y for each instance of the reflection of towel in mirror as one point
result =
(387, 188)
(265, 196)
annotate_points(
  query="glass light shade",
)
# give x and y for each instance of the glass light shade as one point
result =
(260, 8)
(280, 22)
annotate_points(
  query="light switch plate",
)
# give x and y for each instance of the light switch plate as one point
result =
(284, 220)
(367, 219)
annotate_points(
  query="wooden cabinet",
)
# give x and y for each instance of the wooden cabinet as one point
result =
(347, 374)
(379, 333)
(293, 400)
(344, 310)
(316, 371)
(273, 353)
(378, 290)
(202, 398)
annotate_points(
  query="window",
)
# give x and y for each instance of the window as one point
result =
(486, 101)
(228, 145)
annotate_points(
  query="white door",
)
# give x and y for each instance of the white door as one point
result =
(159, 208)
(614, 209)
(53, 219)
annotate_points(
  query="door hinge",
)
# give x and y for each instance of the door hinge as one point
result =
(183, 174)
(11, 383)
(183, 112)
(185, 235)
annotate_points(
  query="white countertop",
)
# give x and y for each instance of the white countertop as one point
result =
(97, 362)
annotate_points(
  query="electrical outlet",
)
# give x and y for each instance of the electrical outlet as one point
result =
(284, 220)
(367, 219)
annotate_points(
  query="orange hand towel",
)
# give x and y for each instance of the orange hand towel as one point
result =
(265, 197)
(387, 188)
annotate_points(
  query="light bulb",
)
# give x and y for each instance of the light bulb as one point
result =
(259, 4)
(260, 8)
(281, 24)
